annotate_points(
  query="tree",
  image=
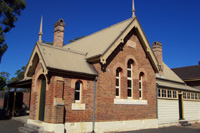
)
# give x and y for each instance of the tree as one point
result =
(3, 79)
(19, 73)
(9, 10)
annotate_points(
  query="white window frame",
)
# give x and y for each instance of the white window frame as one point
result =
(141, 87)
(119, 79)
(130, 78)
(184, 95)
(80, 92)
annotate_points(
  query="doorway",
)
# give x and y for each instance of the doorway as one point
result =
(180, 99)
(42, 99)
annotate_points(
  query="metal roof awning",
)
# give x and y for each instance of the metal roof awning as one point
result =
(24, 83)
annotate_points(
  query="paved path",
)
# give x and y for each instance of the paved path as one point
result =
(195, 128)
(9, 126)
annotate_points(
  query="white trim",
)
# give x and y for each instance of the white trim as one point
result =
(78, 106)
(130, 101)
(111, 126)
(57, 128)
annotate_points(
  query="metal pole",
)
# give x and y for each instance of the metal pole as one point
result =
(7, 106)
(93, 121)
(14, 100)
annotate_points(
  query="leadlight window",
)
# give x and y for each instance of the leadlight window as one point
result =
(184, 95)
(129, 78)
(78, 86)
(188, 95)
(159, 93)
(169, 93)
(174, 94)
(140, 85)
(118, 80)
(196, 96)
(163, 92)
(192, 95)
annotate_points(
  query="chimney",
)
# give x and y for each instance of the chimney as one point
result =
(199, 62)
(59, 33)
(157, 49)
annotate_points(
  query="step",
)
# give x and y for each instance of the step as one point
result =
(26, 130)
(185, 123)
(35, 127)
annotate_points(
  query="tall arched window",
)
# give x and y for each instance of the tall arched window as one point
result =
(129, 78)
(78, 88)
(118, 80)
(141, 85)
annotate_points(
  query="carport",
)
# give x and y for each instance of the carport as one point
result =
(25, 83)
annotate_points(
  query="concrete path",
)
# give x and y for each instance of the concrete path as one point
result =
(195, 128)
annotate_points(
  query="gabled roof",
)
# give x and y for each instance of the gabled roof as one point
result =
(59, 59)
(171, 80)
(97, 43)
(102, 43)
(188, 73)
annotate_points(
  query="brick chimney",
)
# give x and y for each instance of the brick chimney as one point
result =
(199, 62)
(157, 49)
(59, 33)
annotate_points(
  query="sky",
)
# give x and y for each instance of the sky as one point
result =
(175, 23)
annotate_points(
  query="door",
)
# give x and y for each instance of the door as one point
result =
(42, 99)
(180, 98)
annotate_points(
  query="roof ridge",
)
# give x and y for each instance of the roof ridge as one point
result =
(99, 31)
(67, 50)
(185, 67)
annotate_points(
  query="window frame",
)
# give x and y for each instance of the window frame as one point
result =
(119, 84)
(141, 85)
(78, 91)
(130, 78)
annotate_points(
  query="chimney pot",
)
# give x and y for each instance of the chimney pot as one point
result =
(59, 33)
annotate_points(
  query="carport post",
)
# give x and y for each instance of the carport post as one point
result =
(14, 99)
(7, 106)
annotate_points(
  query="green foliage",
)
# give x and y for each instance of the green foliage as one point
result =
(3, 79)
(75, 39)
(20, 75)
(9, 10)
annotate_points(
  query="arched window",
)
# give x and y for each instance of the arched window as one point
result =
(78, 88)
(118, 80)
(129, 78)
(141, 85)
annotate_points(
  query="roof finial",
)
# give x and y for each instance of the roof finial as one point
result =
(133, 9)
(40, 33)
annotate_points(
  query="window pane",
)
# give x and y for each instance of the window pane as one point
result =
(169, 93)
(129, 64)
(158, 92)
(117, 73)
(140, 85)
(117, 92)
(188, 95)
(77, 86)
(140, 94)
(117, 82)
(77, 95)
(129, 73)
(129, 83)
(129, 92)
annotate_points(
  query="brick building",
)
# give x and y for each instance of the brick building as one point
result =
(103, 82)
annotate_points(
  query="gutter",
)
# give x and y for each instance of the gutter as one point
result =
(93, 120)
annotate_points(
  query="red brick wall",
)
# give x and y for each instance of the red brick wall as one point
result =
(26, 96)
(106, 109)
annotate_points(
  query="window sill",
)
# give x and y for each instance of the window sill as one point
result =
(130, 102)
(78, 106)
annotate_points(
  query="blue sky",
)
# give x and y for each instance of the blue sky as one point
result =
(175, 23)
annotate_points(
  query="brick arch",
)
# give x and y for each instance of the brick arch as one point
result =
(145, 74)
(119, 65)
